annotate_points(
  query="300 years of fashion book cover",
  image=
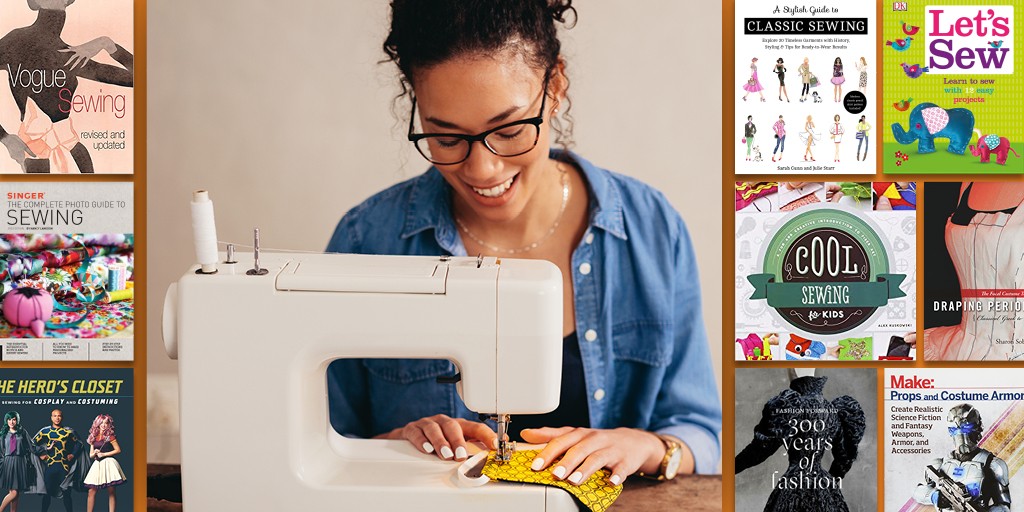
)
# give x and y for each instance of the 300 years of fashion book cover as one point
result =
(67, 104)
(67, 270)
(825, 271)
(805, 439)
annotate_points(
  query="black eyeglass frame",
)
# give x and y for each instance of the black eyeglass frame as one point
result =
(482, 136)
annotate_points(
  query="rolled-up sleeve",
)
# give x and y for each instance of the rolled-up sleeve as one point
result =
(688, 405)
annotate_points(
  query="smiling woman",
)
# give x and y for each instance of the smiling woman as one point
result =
(488, 86)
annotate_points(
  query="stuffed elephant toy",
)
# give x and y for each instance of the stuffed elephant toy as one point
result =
(929, 121)
(989, 145)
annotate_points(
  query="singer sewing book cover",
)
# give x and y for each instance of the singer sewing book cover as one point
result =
(68, 101)
(825, 271)
(806, 441)
(952, 437)
(953, 87)
(66, 267)
(74, 432)
(974, 271)
(807, 88)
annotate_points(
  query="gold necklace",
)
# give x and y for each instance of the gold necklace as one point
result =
(534, 245)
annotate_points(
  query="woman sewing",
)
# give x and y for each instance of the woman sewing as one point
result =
(488, 88)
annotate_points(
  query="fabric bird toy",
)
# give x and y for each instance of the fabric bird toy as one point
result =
(909, 29)
(995, 44)
(903, 105)
(914, 71)
(900, 44)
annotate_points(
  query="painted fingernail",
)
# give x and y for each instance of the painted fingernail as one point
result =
(460, 452)
(559, 472)
(427, 447)
(537, 464)
(446, 453)
(576, 477)
(615, 480)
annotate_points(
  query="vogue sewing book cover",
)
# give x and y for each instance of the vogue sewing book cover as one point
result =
(67, 271)
(952, 438)
(974, 271)
(825, 271)
(953, 87)
(75, 434)
(67, 104)
(806, 439)
(807, 87)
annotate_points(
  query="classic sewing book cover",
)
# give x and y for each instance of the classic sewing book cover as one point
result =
(75, 432)
(952, 437)
(974, 271)
(806, 441)
(953, 87)
(67, 104)
(825, 271)
(806, 88)
(66, 268)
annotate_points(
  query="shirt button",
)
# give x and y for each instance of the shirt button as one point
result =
(599, 394)
(590, 335)
(585, 268)
(590, 238)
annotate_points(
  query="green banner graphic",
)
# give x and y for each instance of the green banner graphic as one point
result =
(853, 294)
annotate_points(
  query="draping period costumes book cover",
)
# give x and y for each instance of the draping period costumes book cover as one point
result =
(806, 87)
(953, 87)
(825, 271)
(953, 439)
(806, 442)
(72, 436)
(66, 268)
(67, 105)
(974, 271)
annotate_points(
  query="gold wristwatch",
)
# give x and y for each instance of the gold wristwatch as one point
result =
(670, 463)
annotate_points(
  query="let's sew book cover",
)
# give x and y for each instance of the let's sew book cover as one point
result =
(953, 95)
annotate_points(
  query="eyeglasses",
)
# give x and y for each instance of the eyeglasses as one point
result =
(508, 140)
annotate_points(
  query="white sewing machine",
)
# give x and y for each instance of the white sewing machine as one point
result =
(253, 353)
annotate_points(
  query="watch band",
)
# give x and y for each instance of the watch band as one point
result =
(671, 447)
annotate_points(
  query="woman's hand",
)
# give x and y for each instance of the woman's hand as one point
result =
(577, 453)
(17, 148)
(81, 54)
(447, 437)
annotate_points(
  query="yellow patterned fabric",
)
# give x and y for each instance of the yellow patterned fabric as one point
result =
(595, 493)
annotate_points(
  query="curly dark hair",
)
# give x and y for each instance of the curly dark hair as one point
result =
(424, 33)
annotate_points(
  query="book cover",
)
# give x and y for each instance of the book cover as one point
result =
(806, 88)
(806, 439)
(974, 271)
(825, 271)
(74, 436)
(952, 438)
(952, 87)
(66, 268)
(67, 104)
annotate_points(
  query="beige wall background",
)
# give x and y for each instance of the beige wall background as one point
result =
(281, 110)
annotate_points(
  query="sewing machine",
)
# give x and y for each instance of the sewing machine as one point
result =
(249, 334)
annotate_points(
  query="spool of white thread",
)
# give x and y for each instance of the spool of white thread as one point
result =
(204, 231)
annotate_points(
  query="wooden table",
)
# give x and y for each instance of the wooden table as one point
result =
(690, 493)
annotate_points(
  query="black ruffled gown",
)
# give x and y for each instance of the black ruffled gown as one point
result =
(803, 421)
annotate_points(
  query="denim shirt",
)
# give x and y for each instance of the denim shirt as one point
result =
(638, 315)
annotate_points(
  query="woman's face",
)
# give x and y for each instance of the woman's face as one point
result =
(470, 95)
(105, 424)
(11, 423)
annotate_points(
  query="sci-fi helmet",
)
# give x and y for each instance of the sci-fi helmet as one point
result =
(965, 427)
